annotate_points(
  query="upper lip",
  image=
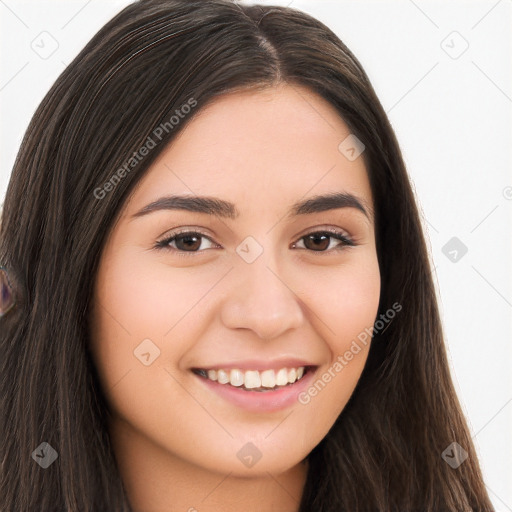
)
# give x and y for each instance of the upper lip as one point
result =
(257, 364)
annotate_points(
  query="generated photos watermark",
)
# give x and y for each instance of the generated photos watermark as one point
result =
(157, 135)
(343, 360)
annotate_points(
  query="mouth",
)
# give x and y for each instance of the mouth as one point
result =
(266, 381)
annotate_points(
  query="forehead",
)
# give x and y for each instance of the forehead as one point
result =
(258, 148)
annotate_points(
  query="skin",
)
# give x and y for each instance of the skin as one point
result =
(175, 440)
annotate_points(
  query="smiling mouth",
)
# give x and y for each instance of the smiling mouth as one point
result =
(254, 380)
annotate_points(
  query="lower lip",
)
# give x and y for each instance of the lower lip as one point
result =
(261, 401)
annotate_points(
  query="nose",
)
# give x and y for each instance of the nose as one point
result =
(262, 301)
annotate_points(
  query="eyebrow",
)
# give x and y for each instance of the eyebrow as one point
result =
(226, 209)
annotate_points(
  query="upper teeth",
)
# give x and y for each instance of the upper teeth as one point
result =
(255, 379)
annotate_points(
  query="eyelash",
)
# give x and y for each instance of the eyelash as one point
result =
(338, 235)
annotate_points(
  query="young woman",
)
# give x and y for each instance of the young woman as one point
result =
(216, 292)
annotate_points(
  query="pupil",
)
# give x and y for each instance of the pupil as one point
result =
(189, 242)
(317, 239)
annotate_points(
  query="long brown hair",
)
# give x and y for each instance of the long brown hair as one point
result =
(384, 451)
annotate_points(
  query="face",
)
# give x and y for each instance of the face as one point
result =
(258, 293)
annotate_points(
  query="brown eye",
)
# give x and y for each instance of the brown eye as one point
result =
(184, 242)
(188, 242)
(317, 242)
(320, 241)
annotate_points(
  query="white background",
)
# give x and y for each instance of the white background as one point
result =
(452, 115)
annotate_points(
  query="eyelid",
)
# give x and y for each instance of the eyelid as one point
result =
(327, 228)
(181, 230)
(190, 229)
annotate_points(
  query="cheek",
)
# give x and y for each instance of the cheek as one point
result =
(136, 301)
(345, 299)
(149, 299)
(355, 305)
